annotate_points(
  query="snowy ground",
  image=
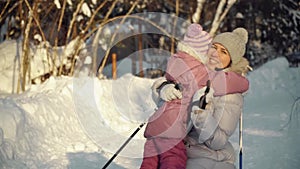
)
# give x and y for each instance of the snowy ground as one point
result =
(79, 123)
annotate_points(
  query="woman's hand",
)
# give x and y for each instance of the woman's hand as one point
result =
(201, 114)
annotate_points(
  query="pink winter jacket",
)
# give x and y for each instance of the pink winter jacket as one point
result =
(170, 120)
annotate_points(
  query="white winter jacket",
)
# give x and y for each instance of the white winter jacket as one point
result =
(209, 138)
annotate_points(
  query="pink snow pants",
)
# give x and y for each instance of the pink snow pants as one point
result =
(164, 153)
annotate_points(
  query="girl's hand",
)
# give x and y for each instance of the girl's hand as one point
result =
(169, 92)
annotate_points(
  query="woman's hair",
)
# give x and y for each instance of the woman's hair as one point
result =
(242, 67)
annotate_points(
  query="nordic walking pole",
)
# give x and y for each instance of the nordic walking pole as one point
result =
(241, 141)
(121, 148)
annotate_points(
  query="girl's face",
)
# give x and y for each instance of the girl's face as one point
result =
(218, 57)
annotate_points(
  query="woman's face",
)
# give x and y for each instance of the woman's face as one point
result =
(218, 57)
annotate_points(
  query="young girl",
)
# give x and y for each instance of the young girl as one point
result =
(167, 127)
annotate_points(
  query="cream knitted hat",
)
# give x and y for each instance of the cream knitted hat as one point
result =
(235, 42)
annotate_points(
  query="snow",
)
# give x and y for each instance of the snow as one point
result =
(57, 4)
(86, 10)
(81, 122)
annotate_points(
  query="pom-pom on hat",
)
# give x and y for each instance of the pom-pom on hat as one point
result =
(197, 39)
(235, 42)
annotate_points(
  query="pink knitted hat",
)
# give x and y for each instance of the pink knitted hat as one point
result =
(197, 39)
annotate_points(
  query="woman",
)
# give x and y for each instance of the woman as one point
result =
(207, 142)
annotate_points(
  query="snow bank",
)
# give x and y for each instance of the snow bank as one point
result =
(42, 127)
(270, 137)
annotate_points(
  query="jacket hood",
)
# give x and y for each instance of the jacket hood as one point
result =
(189, 50)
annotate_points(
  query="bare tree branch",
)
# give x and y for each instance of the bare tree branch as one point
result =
(4, 9)
(73, 20)
(93, 16)
(25, 48)
(114, 35)
(174, 27)
(56, 38)
(220, 15)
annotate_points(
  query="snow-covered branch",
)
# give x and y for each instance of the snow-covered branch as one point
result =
(197, 15)
(294, 13)
(220, 14)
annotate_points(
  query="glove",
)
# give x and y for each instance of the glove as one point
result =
(169, 92)
(198, 117)
(154, 87)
